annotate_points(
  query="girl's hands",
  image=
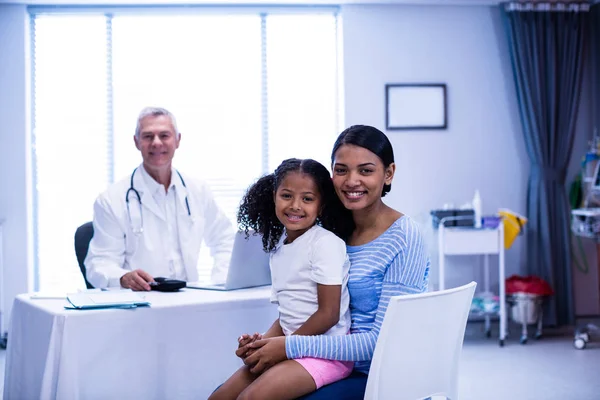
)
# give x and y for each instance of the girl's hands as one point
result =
(262, 354)
(243, 342)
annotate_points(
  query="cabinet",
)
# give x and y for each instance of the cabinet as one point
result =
(476, 241)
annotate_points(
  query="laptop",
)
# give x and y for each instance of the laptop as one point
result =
(248, 267)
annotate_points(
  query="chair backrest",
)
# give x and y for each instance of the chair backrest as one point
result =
(83, 235)
(419, 346)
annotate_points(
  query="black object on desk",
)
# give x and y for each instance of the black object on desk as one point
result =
(166, 285)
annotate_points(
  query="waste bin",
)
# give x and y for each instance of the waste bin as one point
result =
(525, 294)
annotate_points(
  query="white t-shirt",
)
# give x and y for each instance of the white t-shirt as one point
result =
(316, 257)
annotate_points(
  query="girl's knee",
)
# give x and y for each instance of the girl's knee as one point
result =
(218, 394)
(250, 393)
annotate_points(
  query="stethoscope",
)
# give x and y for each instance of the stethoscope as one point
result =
(139, 230)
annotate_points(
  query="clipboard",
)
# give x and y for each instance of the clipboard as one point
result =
(106, 299)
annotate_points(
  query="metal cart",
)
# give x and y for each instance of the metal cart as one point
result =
(463, 240)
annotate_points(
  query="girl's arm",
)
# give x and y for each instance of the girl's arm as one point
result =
(353, 347)
(274, 331)
(328, 313)
(406, 275)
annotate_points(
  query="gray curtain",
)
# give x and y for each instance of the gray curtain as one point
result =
(595, 47)
(547, 42)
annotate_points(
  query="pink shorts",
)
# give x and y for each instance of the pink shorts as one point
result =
(325, 372)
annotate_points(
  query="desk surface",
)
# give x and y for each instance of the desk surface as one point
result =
(182, 346)
(185, 297)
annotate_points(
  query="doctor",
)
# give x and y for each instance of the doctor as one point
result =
(152, 223)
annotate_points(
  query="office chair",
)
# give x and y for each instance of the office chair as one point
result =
(83, 235)
(421, 337)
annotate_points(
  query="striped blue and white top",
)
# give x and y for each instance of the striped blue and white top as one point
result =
(394, 264)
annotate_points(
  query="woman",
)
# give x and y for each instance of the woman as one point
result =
(387, 256)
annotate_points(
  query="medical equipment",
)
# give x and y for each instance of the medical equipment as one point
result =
(582, 335)
(586, 221)
(139, 230)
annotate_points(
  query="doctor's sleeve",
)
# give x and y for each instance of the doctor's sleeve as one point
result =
(218, 235)
(106, 255)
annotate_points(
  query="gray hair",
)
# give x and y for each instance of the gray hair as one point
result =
(154, 112)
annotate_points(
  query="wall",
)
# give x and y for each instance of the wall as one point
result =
(15, 208)
(482, 148)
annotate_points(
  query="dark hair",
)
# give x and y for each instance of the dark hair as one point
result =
(257, 208)
(371, 139)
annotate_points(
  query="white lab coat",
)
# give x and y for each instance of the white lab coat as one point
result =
(115, 249)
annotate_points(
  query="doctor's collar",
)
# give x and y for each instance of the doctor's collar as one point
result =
(153, 186)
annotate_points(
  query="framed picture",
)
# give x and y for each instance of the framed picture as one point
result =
(415, 106)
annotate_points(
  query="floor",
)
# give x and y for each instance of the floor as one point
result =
(549, 368)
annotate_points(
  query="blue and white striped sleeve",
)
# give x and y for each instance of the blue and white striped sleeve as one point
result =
(407, 274)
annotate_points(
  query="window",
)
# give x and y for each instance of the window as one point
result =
(247, 89)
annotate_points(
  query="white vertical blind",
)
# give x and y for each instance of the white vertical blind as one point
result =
(205, 68)
(69, 137)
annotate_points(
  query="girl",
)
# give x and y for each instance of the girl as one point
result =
(388, 259)
(298, 214)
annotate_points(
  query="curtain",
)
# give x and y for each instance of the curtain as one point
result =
(595, 47)
(547, 43)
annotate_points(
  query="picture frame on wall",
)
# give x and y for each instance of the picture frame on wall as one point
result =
(416, 106)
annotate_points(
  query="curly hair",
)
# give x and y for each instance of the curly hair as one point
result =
(257, 208)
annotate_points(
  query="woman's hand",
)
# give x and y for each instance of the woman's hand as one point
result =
(265, 353)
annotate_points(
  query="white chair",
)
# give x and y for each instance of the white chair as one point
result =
(419, 346)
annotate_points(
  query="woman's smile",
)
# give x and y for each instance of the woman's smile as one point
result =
(354, 194)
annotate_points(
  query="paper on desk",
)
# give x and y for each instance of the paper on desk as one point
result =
(47, 295)
(107, 299)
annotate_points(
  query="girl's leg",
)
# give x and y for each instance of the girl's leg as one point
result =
(284, 381)
(235, 385)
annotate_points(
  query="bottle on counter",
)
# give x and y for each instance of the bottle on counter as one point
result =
(477, 209)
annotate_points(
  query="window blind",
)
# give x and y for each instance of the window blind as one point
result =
(247, 90)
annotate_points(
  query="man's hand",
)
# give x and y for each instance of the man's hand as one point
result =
(137, 280)
(242, 351)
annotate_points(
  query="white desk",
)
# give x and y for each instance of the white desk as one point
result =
(471, 241)
(182, 347)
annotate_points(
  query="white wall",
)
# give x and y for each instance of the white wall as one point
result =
(14, 168)
(482, 148)
(464, 47)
